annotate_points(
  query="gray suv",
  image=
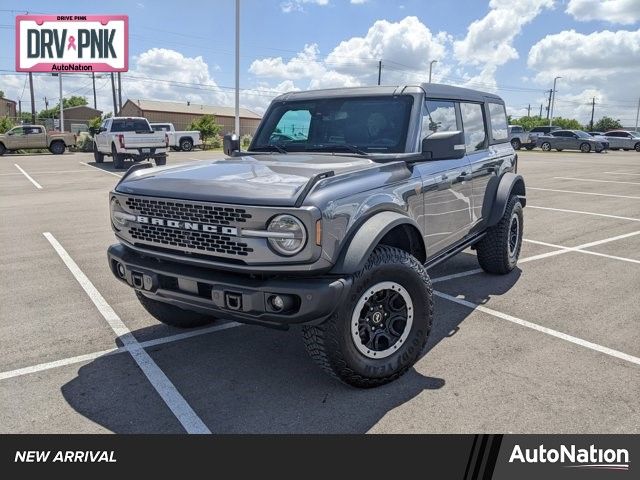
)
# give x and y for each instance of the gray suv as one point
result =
(330, 221)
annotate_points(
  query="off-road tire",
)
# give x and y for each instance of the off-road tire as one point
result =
(171, 315)
(3, 149)
(160, 161)
(58, 147)
(546, 146)
(118, 158)
(493, 251)
(516, 144)
(585, 147)
(97, 156)
(186, 145)
(331, 345)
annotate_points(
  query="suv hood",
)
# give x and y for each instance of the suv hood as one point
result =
(268, 180)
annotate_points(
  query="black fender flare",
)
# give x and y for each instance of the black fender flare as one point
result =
(510, 183)
(355, 253)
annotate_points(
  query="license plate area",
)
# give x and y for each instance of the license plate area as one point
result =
(146, 150)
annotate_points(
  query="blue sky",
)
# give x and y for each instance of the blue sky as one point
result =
(515, 48)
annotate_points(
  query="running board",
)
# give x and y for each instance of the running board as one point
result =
(441, 257)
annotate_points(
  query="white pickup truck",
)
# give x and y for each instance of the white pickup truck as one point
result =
(129, 137)
(179, 139)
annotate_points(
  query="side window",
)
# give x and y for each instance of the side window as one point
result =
(438, 116)
(475, 134)
(293, 125)
(18, 131)
(498, 115)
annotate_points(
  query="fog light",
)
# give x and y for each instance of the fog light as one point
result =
(121, 271)
(277, 302)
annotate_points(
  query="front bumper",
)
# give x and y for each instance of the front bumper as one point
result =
(311, 300)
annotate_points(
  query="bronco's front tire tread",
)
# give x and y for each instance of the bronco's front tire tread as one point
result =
(171, 315)
(323, 342)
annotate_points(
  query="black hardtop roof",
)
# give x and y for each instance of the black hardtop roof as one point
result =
(433, 90)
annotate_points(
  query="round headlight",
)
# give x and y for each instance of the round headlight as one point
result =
(119, 217)
(289, 235)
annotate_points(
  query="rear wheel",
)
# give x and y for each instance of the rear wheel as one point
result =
(637, 147)
(499, 249)
(585, 147)
(515, 143)
(381, 328)
(118, 159)
(97, 156)
(171, 315)
(546, 146)
(186, 145)
(57, 148)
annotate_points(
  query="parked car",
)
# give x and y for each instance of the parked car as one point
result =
(183, 140)
(28, 137)
(599, 136)
(518, 136)
(536, 132)
(571, 140)
(334, 230)
(621, 139)
(129, 137)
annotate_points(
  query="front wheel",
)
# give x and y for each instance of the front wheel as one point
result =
(381, 328)
(171, 315)
(499, 249)
(3, 149)
(546, 146)
(57, 148)
(585, 147)
(515, 143)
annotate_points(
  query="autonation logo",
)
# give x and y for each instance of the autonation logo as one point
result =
(574, 457)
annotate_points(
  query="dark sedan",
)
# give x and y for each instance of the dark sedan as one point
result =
(571, 140)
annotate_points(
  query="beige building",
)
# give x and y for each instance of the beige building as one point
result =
(76, 119)
(8, 108)
(181, 114)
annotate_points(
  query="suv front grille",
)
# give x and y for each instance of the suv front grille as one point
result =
(179, 210)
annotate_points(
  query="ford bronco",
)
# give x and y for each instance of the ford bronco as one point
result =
(331, 220)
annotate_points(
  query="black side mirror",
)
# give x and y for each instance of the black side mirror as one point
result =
(444, 146)
(230, 144)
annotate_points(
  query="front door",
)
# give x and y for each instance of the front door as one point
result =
(16, 139)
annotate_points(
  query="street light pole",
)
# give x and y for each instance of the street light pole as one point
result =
(61, 103)
(637, 114)
(553, 100)
(237, 120)
(431, 68)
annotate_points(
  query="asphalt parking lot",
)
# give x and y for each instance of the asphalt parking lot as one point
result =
(552, 347)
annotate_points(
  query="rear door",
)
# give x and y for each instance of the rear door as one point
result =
(36, 137)
(614, 140)
(447, 188)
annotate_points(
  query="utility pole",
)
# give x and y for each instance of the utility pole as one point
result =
(540, 110)
(431, 68)
(119, 93)
(20, 110)
(529, 110)
(61, 103)
(237, 119)
(113, 91)
(553, 99)
(33, 103)
(46, 103)
(93, 79)
(637, 114)
(379, 71)
(549, 104)
(593, 108)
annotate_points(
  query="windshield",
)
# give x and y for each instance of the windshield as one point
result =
(130, 125)
(582, 134)
(355, 125)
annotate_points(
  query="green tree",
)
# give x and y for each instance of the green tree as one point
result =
(54, 112)
(95, 122)
(607, 123)
(1, 94)
(567, 123)
(6, 124)
(529, 122)
(207, 126)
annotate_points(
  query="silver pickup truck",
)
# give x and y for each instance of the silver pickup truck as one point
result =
(334, 229)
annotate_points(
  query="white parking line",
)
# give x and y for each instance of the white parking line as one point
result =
(36, 184)
(50, 172)
(104, 171)
(631, 219)
(534, 326)
(92, 356)
(583, 193)
(594, 180)
(167, 391)
(589, 252)
(623, 173)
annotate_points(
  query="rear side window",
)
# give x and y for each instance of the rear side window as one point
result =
(498, 115)
(439, 116)
(475, 134)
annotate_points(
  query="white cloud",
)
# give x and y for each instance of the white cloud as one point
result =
(298, 5)
(358, 2)
(625, 12)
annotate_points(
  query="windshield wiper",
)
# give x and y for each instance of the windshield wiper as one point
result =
(271, 146)
(338, 146)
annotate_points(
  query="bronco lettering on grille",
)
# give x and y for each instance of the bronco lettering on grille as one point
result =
(199, 227)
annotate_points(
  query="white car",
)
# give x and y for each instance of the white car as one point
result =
(129, 137)
(179, 139)
(623, 140)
